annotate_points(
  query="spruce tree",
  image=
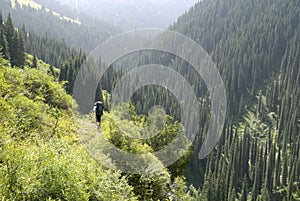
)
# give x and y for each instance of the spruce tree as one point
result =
(1, 19)
(232, 195)
(9, 30)
(13, 49)
(4, 44)
(278, 168)
(20, 51)
(34, 62)
(244, 190)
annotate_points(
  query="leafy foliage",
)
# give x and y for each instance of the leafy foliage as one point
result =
(41, 158)
(164, 185)
(259, 147)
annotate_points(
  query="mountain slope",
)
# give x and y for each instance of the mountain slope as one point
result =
(255, 45)
(131, 14)
(38, 127)
(240, 41)
(38, 143)
(76, 29)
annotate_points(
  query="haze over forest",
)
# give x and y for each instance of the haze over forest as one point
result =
(132, 14)
(52, 148)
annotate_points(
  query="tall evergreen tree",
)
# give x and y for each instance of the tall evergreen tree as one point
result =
(4, 44)
(13, 49)
(244, 190)
(9, 30)
(34, 62)
(20, 50)
(1, 19)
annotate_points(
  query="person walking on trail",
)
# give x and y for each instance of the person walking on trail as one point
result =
(98, 109)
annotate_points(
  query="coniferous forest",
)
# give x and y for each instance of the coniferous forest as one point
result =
(43, 155)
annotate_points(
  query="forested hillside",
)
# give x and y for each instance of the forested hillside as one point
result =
(78, 30)
(39, 137)
(42, 157)
(255, 45)
(11, 42)
(256, 48)
(16, 42)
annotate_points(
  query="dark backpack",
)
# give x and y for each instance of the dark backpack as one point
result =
(99, 108)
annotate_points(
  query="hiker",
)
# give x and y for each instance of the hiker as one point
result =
(98, 109)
